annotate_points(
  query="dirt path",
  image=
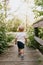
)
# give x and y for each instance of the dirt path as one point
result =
(31, 57)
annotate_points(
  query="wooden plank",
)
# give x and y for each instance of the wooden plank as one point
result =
(40, 41)
(38, 24)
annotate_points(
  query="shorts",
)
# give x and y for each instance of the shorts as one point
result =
(20, 45)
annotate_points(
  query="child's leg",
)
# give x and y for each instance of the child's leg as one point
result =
(19, 51)
(18, 44)
(22, 51)
(22, 54)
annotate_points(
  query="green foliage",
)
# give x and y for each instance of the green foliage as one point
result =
(40, 33)
(10, 37)
(38, 13)
(32, 43)
(0, 6)
(13, 24)
(39, 2)
(30, 32)
(16, 24)
(3, 39)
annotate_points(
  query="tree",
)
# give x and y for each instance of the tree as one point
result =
(16, 24)
(3, 38)
(37, 13)
(38, 3)
(13, 24)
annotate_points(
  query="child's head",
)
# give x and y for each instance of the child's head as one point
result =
(21, 28)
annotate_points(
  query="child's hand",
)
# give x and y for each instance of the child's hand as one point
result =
(15, 43)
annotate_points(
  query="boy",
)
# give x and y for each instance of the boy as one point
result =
(21, 39)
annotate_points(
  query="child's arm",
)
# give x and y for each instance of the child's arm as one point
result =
(15, 40)
(25, 40)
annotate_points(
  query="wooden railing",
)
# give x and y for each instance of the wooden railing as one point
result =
(40, 41)
(36, 37)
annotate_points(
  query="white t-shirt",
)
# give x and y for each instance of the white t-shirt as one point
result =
(21, 37)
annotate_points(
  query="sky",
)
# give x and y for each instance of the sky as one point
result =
(22, 9)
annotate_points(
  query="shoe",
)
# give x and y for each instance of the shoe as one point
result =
(22, 57)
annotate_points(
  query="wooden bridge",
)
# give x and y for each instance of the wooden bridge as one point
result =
(31, 57)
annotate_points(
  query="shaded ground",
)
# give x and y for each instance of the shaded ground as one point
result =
(32, 57)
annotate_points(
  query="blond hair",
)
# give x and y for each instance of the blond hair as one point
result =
(21, 28)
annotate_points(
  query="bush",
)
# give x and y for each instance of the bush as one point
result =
(33, 43)
(3, 38)
(10, 37)
(41, 33)
(13, 24)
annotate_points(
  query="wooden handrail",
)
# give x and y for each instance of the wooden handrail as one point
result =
(40, 41)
